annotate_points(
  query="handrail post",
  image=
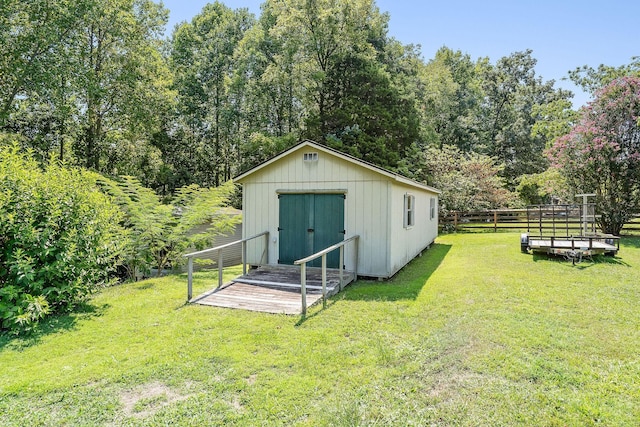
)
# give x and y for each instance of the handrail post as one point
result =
(303, 287)
(324, 280)
(341, 267)
(220, 267)
(244, 258)
(355, 252)
(190, 279)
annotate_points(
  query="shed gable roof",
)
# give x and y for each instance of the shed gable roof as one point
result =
(311, 144)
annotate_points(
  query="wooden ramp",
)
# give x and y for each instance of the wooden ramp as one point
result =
(274, 289)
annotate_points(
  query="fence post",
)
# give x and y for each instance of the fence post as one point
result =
(495, 221)
(455, 220)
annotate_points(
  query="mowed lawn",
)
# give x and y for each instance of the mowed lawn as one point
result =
(472, 333)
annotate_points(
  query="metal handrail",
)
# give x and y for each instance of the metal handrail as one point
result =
(196, 254)
(323, 253)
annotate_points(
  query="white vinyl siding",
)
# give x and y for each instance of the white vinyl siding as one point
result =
(374, 209)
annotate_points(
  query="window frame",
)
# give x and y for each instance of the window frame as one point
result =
(409, 217)
(433, 205)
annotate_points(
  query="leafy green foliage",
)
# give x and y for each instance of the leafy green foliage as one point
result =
(95, 82)
(161, 233)
(86, 79)
(209, 92)
(59, 239)
(601, 154)
(591, 80)
(512, 92)
(468, 181)
(543, 188)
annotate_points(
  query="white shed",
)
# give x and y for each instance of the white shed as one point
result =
(310, 197)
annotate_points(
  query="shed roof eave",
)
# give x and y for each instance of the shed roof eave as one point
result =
(346, 157)
(407, 181)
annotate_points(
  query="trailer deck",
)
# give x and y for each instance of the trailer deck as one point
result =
(594, 245)
(566, 230)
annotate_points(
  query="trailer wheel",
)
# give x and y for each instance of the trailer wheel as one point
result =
(524, 243)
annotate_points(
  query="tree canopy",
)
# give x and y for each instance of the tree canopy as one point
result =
(96, 83)
(601, 153)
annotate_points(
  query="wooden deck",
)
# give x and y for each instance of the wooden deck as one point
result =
(274, 289)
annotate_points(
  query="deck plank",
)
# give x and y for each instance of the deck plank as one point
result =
(273, 289)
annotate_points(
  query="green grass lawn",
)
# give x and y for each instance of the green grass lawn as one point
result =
(472, 333)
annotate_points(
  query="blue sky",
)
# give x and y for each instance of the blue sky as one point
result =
(562, 34)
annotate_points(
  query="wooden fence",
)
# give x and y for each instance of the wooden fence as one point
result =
(507, 219)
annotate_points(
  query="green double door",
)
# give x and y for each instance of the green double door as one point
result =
(310, 223)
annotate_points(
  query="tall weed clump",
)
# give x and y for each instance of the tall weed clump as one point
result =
(60, 238)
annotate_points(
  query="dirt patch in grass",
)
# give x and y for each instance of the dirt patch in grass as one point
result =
(148, 398)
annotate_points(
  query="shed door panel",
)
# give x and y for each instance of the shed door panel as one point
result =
(295, 240)
(308, 224)
(328, 226)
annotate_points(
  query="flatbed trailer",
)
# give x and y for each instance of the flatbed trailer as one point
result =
(554, 245)
(566, 230)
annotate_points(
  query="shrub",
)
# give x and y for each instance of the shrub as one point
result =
(161, 233)
(59, 238)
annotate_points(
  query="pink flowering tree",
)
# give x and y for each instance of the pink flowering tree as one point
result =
(601, 154)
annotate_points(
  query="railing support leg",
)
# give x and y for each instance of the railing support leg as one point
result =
(303, 287)
(220, 267)
(190, 279)
(244, 258)
(324, 281)
(342, 266)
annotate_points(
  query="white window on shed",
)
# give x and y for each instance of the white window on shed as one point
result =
(310, 157)
(432, 208)
(409, 210)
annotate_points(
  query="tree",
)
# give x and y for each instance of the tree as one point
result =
(122, 80)
(275, 90)
(601, 154)
(468, 181)
(512, 91)
(323, 32)
(334, 53)
(210, 93)
(85, 78)
(451, 96)
(591, 80)
(35, 41)
(366, 114)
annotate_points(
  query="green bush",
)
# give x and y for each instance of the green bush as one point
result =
(161, 233)
(60, 238)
